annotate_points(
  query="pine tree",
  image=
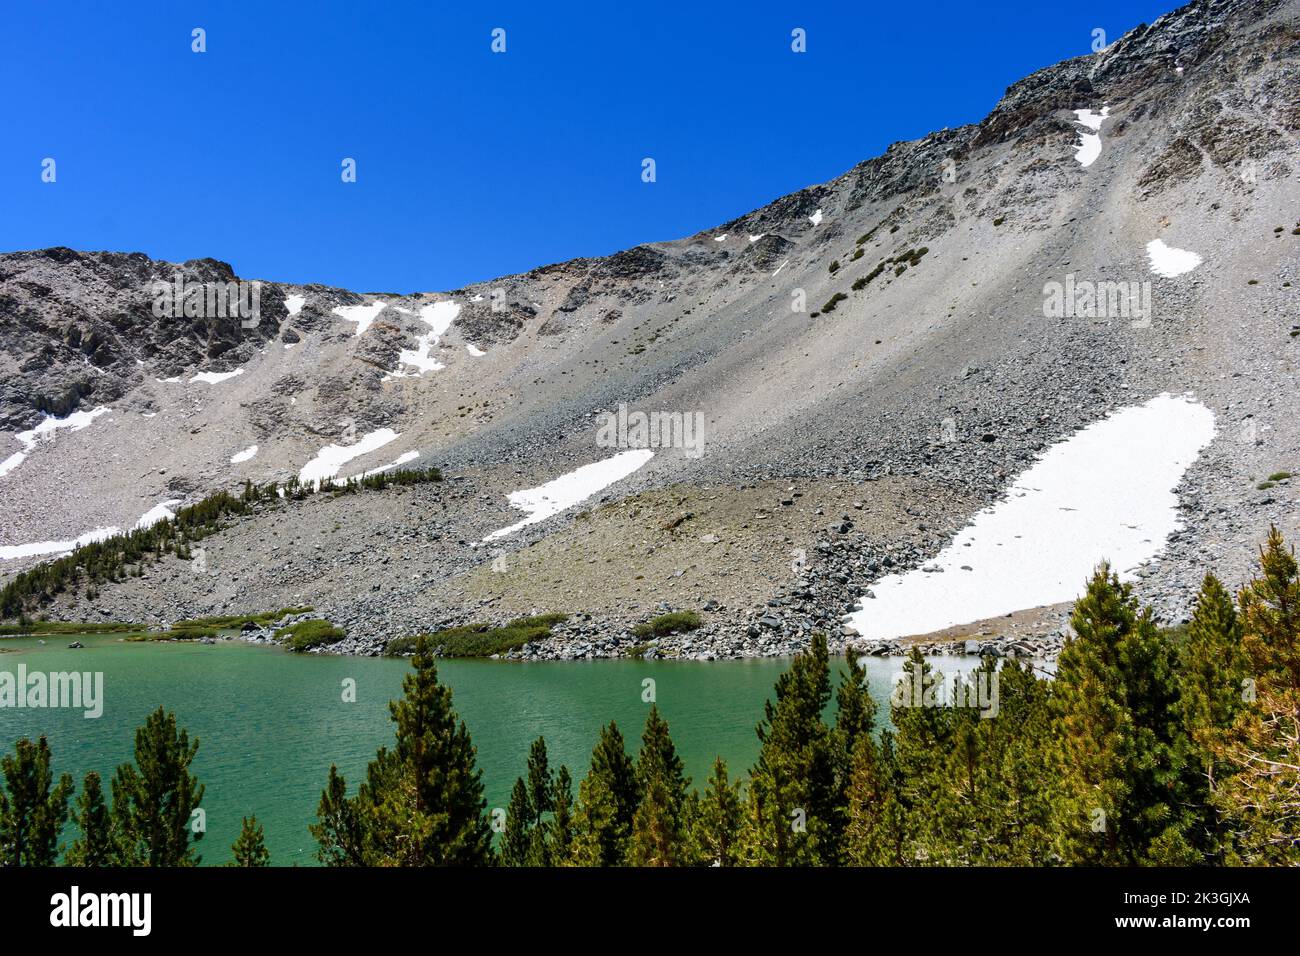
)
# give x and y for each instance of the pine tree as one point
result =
(33, 807)
(659, 827)
(422, 803)
(95, 846)
(607, 801)
(1260, 801)
(791, 816)
(516, 837)
(339, 829)
(875, 835)
(922, 741)
(717, 819)
(560, 845)
(1119, 728)
(250, 847)
(855, 720)
(153, 801)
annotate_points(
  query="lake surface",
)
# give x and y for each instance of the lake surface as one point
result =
(271, 723)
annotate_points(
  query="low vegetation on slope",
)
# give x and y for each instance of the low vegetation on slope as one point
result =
(123, 555)
(304, 635)
(480, 640)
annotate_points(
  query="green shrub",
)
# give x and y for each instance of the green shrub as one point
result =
(231, 621)
(833, 301)
(308, 634)
(674, 622)
(481, 640)
(1279, 476)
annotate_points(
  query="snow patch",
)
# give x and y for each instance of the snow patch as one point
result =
(401, 459)
(816, 218)
(1170, 262)
(1089, 147)
(568, 490)
(214, 378)
(362, 315)
(438, 317)
(758, 237)
(333, 457)
(45, 431)
(721, 238)
(293, 304)
(159, 512)
(244, 455)
(12, 552)
(1104, 493)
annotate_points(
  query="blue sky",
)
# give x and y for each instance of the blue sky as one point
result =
(472, 164)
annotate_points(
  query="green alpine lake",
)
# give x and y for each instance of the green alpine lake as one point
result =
(271, 722)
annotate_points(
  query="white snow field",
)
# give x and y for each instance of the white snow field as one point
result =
(568, 490)
(215, 378)
(1104, 493)
(244, 455)
(333, 457)
(400, 460)
(438, 317)
(1089, 147)
(14, 551)
(362, 315)
(45, 430)
(1170, 262)
(293, 303)
(159, 512)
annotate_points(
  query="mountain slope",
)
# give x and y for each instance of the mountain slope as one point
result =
(918, 396)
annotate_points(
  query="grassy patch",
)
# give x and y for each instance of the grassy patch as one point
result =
(674, 622)
(481, 640)
(1279, 476)
(309, 634)
(230, 621)
(175, 634)
(42, 628)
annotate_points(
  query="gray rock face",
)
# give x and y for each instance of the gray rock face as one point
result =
(923, 373)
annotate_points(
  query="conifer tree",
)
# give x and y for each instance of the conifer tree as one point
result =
(560, 845)
(515, 838)
(717, 819)
(875, 835)
(922, 741)
(422, 803)
(154, 799)
(607, 800)
(33, 806)
(250, 846)
(1119, 727)
(659, 826)
(791, 814)
(339, 829)
(95, 846)
(1260, 801)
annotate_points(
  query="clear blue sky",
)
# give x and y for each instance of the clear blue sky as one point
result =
(472, 164)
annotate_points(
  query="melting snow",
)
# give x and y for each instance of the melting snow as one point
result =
(13, 551)
(401, 459)
(362, 315)
(568, 490)
(293, 303)
(159, 512)
(244, 455)
(1169, 262)
(438, 317)
(213, 378)
(333, 457)
(45, 430)
(721, 238)
(758, 237)
(816, 218)
(1089, 147)
(474, 350)
(1107, 492)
